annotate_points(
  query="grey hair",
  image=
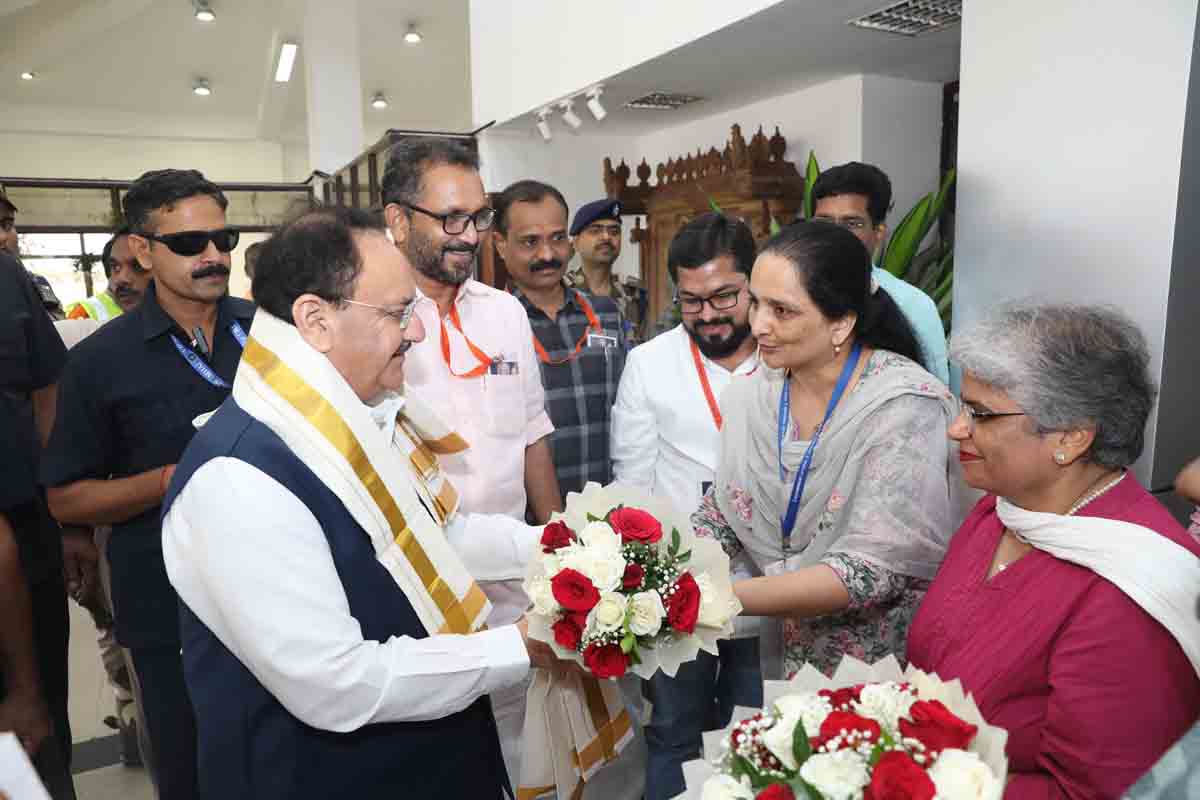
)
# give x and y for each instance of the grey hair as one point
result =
(1068, 368)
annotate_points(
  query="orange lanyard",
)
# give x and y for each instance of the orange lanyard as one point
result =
(593, 325)
(484, 361)
(704, 384)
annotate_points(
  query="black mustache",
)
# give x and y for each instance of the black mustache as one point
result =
(210, 270)
(542, 266)
(714, 323)
(121, 290)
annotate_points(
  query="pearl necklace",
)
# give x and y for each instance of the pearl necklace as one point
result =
(1088, 496)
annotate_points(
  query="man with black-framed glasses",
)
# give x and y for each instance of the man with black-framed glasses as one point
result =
(666, 427)
(127, 401)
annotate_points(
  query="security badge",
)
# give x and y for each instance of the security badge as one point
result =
(603, 339)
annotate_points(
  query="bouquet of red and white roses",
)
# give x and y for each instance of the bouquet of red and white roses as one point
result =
(623, 585)
(912, 737)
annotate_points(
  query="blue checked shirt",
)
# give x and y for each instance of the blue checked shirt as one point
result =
(580, 393)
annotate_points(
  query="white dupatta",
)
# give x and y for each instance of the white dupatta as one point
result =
(297, 393)
(1162, 577)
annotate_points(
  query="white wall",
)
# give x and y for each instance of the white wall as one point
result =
(526, 52)
(48, 155)
(902, 135)
(1071, 119)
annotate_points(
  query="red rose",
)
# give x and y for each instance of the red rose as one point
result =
(898, 777)
(839, 698)
(839, 721)
(605, 661)
(776, 791)
(635, 525)
(568, 631)
(936, 727)
(574, 591)
(632, 579)
(683, 605)
(556, 535)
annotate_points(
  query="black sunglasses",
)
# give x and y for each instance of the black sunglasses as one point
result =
(193, 243)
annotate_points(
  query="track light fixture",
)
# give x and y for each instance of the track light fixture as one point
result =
(568, 114)
(593, 103)
(542, 125)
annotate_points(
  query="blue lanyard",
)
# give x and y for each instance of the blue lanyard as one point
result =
(788, 521)
(200, 365)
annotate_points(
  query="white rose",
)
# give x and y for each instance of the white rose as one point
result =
(841, 775)
(778, 739)
(542, 596)
(608, 614)
(961, 775)
(723, 787)
(646, 613)
(603, 568)
(714, 607)
(600, 536)
(811, 709)
(886, 703)
(551, 564)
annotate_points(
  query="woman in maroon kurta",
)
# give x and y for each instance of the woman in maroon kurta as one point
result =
(1090, 686)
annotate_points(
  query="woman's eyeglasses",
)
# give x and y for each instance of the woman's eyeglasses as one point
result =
(193, 243)
(974, 416)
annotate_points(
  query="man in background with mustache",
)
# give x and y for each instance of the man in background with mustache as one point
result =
(127, 401)
(666, 438)
(578, 337)
(127, 283)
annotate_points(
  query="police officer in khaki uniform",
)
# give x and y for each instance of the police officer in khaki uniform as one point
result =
(596, 236)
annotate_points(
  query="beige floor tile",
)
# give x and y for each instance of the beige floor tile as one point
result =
(114, 783)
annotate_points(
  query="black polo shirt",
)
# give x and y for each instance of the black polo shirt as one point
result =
(31, 357)
(126, 403)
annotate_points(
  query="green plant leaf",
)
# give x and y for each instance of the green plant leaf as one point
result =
(775, 227)
(906, 238)
(801, 747)
(943, 288)
(803, 786)
(713, 205)
(811, 172)
(628, 643)
(740, 766)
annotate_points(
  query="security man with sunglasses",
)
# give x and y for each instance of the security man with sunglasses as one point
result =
(128, 399)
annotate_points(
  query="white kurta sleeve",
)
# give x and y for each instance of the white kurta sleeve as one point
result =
(634, 437)
(493, 547)
(251, 561)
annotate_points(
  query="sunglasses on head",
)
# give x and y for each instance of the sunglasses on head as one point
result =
(193, 243)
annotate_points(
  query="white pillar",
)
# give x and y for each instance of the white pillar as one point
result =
(1071, 131)
(334, 83)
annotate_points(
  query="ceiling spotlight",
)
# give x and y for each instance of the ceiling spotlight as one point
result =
(542, 125)
(287, 60)
(593, 103)
(412, 37)
(379, 101)
(568, 114)
(203, 11)
(201, 88)
(28, 76)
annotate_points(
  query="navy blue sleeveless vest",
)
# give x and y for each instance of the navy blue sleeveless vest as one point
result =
(249, 746)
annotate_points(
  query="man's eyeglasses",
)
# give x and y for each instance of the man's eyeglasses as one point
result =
(721, 301)
(849, 223)
(974, 416)
(456, 223)
(401, 315)
(193, 243)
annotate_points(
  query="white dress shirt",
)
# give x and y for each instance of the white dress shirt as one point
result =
(664, 437)
(251, 561)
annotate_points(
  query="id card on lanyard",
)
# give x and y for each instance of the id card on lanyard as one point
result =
(199, 365)
(788, 520)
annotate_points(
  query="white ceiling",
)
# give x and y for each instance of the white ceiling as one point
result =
(99, 61)
(789, 46)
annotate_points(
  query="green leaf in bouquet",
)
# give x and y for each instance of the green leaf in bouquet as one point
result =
(740, 766)
(593, 518)
(634, 657)
(675, 541)
(628, 643)
(801, 746)
(802, 790)
(684, 556)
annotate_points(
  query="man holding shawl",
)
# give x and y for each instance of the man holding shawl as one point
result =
(333, 637)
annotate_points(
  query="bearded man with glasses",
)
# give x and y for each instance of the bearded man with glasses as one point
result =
(127, 401)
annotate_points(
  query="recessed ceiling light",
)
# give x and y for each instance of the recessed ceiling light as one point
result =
(912, 17)
(379, 101)
(201, 88)
(665, 101)
(287, 59)
(203, 11)
(413, 36)
(28, 76)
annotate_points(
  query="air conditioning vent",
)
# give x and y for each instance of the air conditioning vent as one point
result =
(912, 17)
(662, 101)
